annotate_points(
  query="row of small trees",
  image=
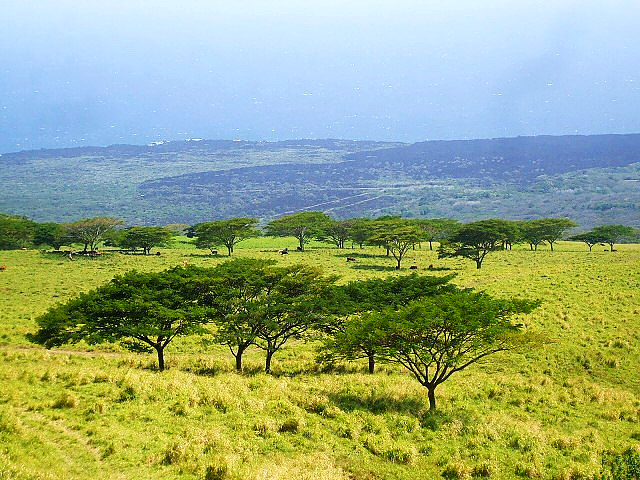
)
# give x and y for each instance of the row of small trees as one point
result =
(423, 323)
(398, 235)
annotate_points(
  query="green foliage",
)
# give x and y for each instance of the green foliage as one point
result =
(225, 232)
(621, 466)
(91, 231)
(434, 337)
(296, 300)
(241, 286)
(348, 334)
(360, 230)
(476, 239)
(438, 229)
(548, 230)
(302, 225)
(15, 232)
(152, 308)
(589, 238)
(51, 234)
(613, 234)
(397, 236)
(145, 238)
(336, 232)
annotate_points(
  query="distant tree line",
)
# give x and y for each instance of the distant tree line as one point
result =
(396, 235)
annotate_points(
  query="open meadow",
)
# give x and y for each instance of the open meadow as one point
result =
(105, 413)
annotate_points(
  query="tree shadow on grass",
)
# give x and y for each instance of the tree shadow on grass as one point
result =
(352, 254)
(206, 255)
(378, 403)
(377, 268)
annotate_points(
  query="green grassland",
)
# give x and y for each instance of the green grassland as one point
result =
(548, 412)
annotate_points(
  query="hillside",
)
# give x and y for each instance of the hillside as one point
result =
(592, 179)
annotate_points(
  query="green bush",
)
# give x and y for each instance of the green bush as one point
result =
(621, 466)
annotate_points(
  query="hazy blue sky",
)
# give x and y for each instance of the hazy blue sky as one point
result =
(103, 72)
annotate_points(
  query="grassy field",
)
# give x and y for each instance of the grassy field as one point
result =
(101, 412)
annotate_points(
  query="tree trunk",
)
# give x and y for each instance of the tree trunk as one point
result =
(230, 250)
(239, 358)
(590, 247)
(478, 264)
(430, 245)
(267, 364)
(432, 398)
(160, 351)
(372, 363)
(551, 245)
(398, 265)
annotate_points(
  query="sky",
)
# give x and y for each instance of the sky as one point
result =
(107, 72)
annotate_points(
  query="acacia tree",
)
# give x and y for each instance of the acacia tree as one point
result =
(302, 225)
(240, 287)
(52, 234)
(532, 232)
(15, 232)
(346, 339)
(257, 303)
(438, 229)
(225, 232)
(297, 300)
(398, 237)
(138, 309)
(612, 234)
(475, 240)
(435, 337)
(91, 231)
(360, 230)
(589, 238)
(553, 229)
(145, 238)
(336, 232)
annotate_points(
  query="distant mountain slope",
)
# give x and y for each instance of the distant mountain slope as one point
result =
(410, 179)
(520, 159)
(592, 179)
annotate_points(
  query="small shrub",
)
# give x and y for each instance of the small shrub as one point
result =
(265, 427)
(176, 452)
(620, 466)
(8, 423)
(403, 454)
(290, 425)
(216, 472)
(527, 470)
(67, 400)
(179, 409)
(110, 449)
(484, 470)
(374, 444)
(563, 444)
(455, 471)
(128, 393)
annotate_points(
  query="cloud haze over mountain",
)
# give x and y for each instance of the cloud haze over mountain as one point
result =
(98, 73)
